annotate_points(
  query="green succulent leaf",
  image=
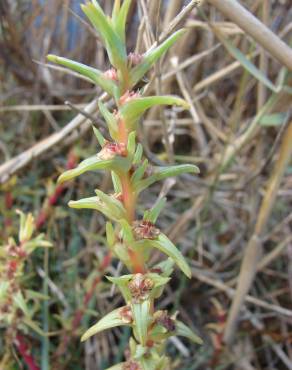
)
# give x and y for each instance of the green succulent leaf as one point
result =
(110, 120)
(95, 163)
(37, 242)
(101, 140)
(138, 154)
(115, 47)
(122, 254)
(165, 266)
(122, 283)
(134, 109)
(20, 302)
(127, 234)
(152, 56)
(110, 234)
(110, 320)
(139, 173)
(114, 205)
(154, 212)
(4, 285)
(121, 19)
(116, 9)
(184, 331)
(166, 246)
(131, 143)
(161, 173)
(116, 183)
(95, 75)
(141, 320)
(105, 204)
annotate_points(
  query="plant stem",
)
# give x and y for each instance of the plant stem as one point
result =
(24, 352)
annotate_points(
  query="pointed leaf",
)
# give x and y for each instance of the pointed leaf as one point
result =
(122, 283)
(161, 173)
(115, 47)
(110, 234)
(114, 205)
(21, 303)
(133, 110)
(93, 74)
(110, 320)
(138, 154)
(127, 234)
(166, 246)
(184, 331)
(154, 212)
(131, 146)
(110, 120)
(95, 163)
(141, 320)
(139, 173)
(120, 24)
(116, 9)
(101, 140)
(152, 56)
(116, 182)
(99, 205)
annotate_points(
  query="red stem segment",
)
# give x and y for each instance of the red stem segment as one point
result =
(23, 349)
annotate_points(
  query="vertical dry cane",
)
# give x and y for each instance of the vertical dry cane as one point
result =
(131, 240)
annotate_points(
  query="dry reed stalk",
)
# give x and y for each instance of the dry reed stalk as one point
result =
(256, 29)
(253, 251)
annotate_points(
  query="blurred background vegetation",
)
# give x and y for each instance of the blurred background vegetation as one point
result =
(238, 131)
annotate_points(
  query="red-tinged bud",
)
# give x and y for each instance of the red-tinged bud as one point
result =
(128, 96)
(119, 196)
(126, 314)
(150, 343)
(12, 267)
(145, 230)
(140, 286)
(162, 318)
(131, 365)
(111, 74)
(16, 251)
(110, 150)
(8, 200)
(134, 59)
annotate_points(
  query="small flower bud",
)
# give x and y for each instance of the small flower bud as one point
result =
(111, 74)
(126, 314)
(110, 150)
(128, 96)
(162, 318)
(131, 365)
(145, 230)
(134, 59)
(140, 287)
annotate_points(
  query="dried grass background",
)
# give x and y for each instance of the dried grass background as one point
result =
(233, 221)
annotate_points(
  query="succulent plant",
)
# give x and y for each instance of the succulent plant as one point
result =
(19, 305)
(131, 240)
